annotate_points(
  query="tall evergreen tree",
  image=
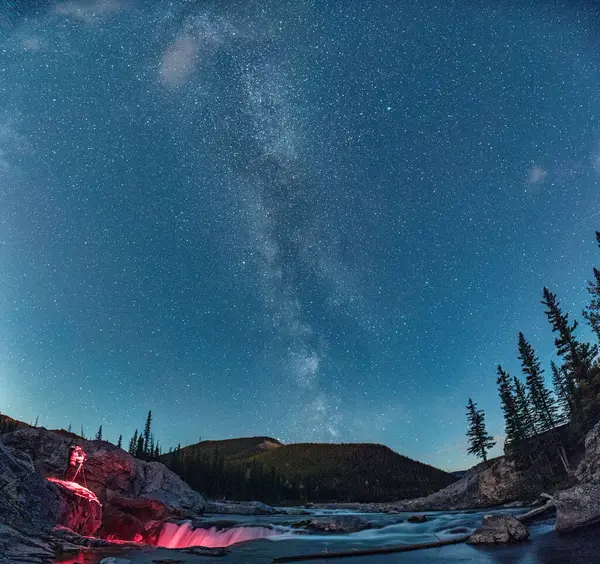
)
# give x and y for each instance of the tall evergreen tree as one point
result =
(140, 451)
(578, 356)
(120, 442)
(523, 409)
(99, 434)
(479, 440)
(541, 400)
(82, 435)
(147, 433)
(564, 389)
(592, 311)
(515, 431)
(133, 443)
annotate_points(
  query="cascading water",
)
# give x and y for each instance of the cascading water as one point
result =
(173, 535)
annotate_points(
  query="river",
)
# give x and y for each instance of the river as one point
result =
(544, 547)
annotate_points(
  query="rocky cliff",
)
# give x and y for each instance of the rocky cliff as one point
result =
(136, 495)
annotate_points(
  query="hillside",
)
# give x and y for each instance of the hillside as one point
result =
(263, 468)
(354, 472)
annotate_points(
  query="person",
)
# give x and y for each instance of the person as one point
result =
(76, 459)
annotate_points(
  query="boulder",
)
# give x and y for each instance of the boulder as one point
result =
(334, 524)
(137, 520)
(418, 519)
(498, 529)
(80, 509)
(484, 485)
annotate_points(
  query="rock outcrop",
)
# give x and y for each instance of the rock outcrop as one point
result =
(136, 495)
(80, 509)
(499, 529)
(485, 485)
(109, 470)
(30, 506)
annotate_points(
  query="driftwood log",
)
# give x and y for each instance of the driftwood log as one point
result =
(538, 510)
(371, 551)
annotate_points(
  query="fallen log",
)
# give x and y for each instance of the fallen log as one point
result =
(538, 510)
(371, 551)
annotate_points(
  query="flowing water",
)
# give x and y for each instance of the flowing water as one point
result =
(259, 539)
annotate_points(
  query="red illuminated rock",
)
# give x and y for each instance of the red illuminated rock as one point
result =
(80, 509)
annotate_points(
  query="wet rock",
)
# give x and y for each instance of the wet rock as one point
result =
(418, 519)
(112, 560)
(334, 524)
(239, 508)
(498, 529)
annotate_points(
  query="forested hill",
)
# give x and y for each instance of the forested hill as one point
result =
(262, 468)
(357, 472)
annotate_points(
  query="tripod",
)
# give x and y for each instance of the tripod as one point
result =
(80, 469)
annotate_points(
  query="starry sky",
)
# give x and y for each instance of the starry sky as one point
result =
(313, 220)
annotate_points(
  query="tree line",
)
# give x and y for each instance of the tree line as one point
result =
(541, 425)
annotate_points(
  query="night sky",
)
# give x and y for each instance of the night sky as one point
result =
(314, 220)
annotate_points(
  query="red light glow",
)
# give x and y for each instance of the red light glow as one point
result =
(184, 536)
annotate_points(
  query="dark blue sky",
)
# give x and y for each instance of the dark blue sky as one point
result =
(313, 220)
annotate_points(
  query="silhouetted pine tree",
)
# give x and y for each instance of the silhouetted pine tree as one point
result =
(578, 356)
(515, 431)
(479, 440)
(523, 408)
(578, 362)
(540, 398)
(564, 388)
(99, 434)
(120, 442)
(133, 443)
(82, 435)
(139, 451)
(592, 311)
(147, 434)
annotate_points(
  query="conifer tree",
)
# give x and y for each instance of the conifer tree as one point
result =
(120, 442)
(147, 434)
(515, 431)
(99, 434)
(82, 435)
(69, 429)
(133, 443)
(542, 403)
(564, 390)
(578, 356)
(479, 440)
(139, 451)
(592, 311)
(523, 409)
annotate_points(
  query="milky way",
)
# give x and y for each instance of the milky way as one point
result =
(317, 221)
